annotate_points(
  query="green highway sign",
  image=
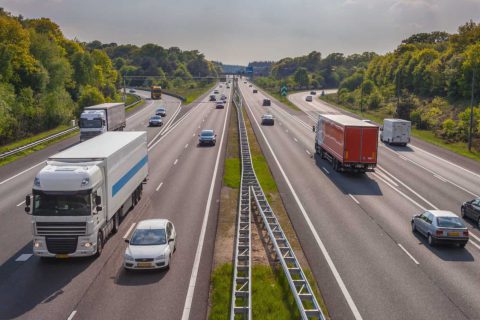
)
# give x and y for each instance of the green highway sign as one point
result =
(283, 90)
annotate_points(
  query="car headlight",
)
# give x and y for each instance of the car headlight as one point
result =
(128, 257)
(86, 244)
(160, 257)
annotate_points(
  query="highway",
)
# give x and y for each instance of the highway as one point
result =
(183, 186)
(355, 230)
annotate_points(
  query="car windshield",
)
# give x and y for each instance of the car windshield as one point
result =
(161, 110)
(62, 204)
(450, 222)
(206, 133)
(148, 237)
(155, 118)
(94, 123)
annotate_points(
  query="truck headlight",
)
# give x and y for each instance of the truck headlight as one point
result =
(128, 257)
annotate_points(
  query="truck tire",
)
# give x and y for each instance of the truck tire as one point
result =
(99, 244)
(320, 153)
(116, 222)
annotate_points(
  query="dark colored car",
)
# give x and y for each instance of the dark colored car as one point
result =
(223, 97)
(441, 226)
(220, 105)
(313, 93)
(266, 102)
(255, 91)
(161, 112)
(471, 209)
(213, 97)
(267, 120)
(250, 85)
(131, 91)
(207, 137)
(155, 121)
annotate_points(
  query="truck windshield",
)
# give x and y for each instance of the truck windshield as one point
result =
(62, 204)
(89, 124)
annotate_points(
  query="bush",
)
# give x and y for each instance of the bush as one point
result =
(375, 100)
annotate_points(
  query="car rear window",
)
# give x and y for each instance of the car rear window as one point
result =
(450, 222)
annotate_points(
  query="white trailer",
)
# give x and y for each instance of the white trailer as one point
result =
(101, 118)
(79, 197)
(396, 131)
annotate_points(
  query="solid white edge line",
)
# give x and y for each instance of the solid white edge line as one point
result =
(70, 317)
(125, 236)
(22, 172)
(408, 254)
(319, 241)
(196, 264)
(354, 199)
(159, 186)
(18, 205)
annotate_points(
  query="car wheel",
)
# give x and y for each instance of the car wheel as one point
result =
(169, 261)
(478, 223)
(462, 244)
(462, 211)
(414, 227)
(99, 244)
(431, 241)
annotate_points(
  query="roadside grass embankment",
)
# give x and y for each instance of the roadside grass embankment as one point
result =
(377, 116)
(271, 295)
(283, 99)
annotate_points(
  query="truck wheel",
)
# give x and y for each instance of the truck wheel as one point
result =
(116, 223)
(99, 244)
(320, 153)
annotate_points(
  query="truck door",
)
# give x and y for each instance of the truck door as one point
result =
(353, 144)
(369, 145)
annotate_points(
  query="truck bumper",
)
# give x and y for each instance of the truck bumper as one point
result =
(86, 246)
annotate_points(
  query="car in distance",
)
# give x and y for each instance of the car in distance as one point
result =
(223, 97)
(216, 91)
(220, 105)
(155, 121)
(267, 119)
(131, 91)
(309, 98)
(250, 86)
(207, 136)
(151, 245)
(213, 98)
(255, 91)
(266, 102)
(313, 93)
(471, 209)
(161, 112)
(441, 226)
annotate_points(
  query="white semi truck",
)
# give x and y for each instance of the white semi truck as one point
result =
(82, 193)
(101, 118)
(396, 131)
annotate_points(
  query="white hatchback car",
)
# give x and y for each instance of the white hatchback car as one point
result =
(151, 245)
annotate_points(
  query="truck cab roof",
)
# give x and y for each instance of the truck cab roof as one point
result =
(104, 106)
(347, 120)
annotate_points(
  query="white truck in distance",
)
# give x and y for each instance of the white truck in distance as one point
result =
(101, 118)
(396, 131)
(79, 197)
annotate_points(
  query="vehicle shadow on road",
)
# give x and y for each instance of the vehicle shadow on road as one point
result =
(446, 252)
(139, 277)
(24, 285)
(396, 148)
(349, 182)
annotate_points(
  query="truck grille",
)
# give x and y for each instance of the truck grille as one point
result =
(61, 228)
(61, 245)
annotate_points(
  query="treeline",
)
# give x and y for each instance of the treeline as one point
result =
(153, 64)
(312, 71)
(45, 78)
(427, 79)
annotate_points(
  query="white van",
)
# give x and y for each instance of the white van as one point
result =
(396, 131)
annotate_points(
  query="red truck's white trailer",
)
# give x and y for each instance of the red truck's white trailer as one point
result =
(349, 143)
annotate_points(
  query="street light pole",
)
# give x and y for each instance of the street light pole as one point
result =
(470, 130)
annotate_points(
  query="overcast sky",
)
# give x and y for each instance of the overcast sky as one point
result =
(239, 31)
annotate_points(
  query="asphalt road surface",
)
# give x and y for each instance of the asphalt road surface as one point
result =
(183, 186)
(355, 228)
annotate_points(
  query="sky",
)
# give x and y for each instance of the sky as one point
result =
(240, 31)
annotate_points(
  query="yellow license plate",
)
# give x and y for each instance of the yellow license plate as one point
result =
(61, 256)
(453, 234)
(144, 264)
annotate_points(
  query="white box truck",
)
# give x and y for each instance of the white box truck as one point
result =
(101, 118)
(396, 131)
(81, 194)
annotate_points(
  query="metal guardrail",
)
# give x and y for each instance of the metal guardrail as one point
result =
(36, 143)
(306, 301)
(242, 272)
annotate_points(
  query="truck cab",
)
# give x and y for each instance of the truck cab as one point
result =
(92, 123)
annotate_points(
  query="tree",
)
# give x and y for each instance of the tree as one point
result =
(301, 77)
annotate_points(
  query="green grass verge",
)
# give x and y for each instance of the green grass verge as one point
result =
(130, 99)
(191, 94)
(41, 146)
(280, 98)
(271, 298)
(460, 148)
(232, 173)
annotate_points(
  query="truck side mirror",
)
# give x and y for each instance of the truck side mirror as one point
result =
(98, 200)
(27, 201)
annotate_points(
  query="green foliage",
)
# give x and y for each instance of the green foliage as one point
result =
(301, 77)
(231, 176)
(43, 75)
(90, 96)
